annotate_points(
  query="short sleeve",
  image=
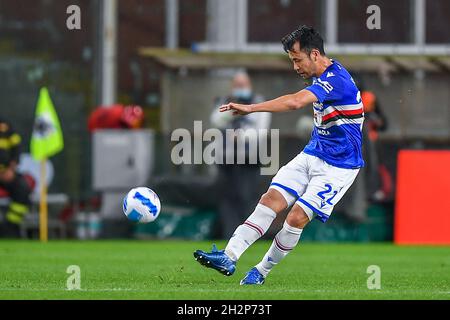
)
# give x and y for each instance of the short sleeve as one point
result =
(325, 90)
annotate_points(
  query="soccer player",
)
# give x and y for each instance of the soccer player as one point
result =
(315, 180)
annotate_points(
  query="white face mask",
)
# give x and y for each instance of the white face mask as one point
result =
(242, 93)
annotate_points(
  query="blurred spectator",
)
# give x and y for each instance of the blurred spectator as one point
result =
(116, 117)
(380, 185)
(241, 181)
(375, 118)
(12, 184)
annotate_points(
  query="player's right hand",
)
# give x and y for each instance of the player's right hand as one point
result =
(238, 109)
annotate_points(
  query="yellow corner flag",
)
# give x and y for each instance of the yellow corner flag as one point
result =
(46, 141)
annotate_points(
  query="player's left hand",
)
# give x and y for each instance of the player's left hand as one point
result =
(238, 109)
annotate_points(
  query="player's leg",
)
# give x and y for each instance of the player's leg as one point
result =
(257, 224)
(289, 181)
(326, 187)
(283, 243)
(254, 227)
(283, 192)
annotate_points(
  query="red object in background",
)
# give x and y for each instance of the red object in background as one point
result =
(422, 210)
(3, 193)
(116, 117)
(368, 99)
(106, 118)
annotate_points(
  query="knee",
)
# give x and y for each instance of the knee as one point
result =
(297, 217)
(274, 200)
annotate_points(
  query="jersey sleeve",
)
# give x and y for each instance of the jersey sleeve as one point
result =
(326, 90)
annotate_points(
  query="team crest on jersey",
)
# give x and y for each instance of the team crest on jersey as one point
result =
(317, 118)
(318, 111)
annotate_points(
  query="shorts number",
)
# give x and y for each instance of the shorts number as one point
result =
(322, 194)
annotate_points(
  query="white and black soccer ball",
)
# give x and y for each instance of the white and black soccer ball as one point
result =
(141, 205)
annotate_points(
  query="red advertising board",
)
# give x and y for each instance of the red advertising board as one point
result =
(422, 210)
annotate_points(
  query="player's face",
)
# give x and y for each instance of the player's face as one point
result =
(303, 64)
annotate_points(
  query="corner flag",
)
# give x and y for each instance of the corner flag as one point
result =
(46, 141)
(47, 138)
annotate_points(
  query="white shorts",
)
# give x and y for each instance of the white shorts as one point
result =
(313, 184)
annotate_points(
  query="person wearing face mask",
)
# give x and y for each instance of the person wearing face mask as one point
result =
(240, 180)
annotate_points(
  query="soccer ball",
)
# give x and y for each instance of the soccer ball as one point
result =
(141, 205)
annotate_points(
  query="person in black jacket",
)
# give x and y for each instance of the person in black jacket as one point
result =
(12, 181)
(241, 181)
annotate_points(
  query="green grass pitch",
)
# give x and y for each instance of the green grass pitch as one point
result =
(167, 270)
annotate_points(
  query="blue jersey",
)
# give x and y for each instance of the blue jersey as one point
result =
(338, 119)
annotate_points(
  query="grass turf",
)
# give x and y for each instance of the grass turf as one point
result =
(167, 270)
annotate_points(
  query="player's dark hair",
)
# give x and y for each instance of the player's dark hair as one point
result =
(308, 38)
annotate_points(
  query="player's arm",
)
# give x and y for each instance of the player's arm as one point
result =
(284, 103)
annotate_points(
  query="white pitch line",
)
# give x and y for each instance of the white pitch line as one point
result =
(381, 291)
